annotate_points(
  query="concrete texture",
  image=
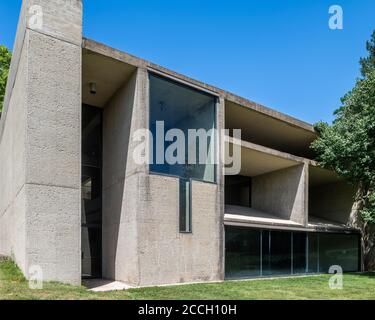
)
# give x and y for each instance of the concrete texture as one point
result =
(268, 131)
(257, 160)
(107, 73)
(282, 193)
(165, 254)
(142, 244)
(122, 177)
(40, 144)
(12, 171)
(332, 202)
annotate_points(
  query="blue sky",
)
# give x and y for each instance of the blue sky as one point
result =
(279, 53)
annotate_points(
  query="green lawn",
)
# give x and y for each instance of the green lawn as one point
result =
(356, 286)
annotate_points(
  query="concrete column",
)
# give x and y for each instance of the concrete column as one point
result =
(46, 71)
(123, 180)
(220, 201)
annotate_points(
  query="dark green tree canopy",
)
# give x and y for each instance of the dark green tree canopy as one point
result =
(5, 57)
(368, 63)
(348, 145)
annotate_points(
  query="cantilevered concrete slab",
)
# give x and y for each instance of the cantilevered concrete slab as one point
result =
(269, 131)
(106, 73)
(257, 160)
(251, 216)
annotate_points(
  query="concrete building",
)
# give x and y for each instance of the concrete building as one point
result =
(74, 202)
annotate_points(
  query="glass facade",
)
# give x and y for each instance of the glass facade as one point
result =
(276, 253)
(243, 249)
(182, 120)
(338, 249)
(299, 245)
(254, 252)
(91, 224)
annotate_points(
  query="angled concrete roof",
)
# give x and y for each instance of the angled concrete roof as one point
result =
(104, 50)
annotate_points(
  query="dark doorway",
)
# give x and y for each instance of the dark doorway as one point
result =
(91, 233)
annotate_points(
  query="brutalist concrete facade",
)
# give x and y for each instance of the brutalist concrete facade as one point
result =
(40, 173)
(40, 143)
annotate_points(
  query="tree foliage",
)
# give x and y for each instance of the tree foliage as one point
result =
(368, 63)
(5, 57)
(348, 147)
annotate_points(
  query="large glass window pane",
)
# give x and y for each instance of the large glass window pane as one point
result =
(175, 106)
(91, 136)
(313, 259)
(277, 253)
(299, 252)
(338, 249)
(242, 252)
(91, 189)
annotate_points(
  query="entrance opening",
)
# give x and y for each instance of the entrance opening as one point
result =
(91, 222)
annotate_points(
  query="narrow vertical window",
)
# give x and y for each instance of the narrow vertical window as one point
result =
(185, 205)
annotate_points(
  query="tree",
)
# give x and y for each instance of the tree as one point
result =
(348, 147)
(368, 63)
(5, 57)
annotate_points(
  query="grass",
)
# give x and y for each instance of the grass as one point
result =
(13, 286)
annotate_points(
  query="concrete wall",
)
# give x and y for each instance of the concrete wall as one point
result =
(165, 254)
(41, 143)
(142, 244)
(282, 193)
(12, 170)
(332, 202)
(124, 114)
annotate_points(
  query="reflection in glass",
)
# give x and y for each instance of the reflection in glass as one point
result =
(91, 218)
(181, 107)
(299, 252)
(276, 247)
(312, 252)
(338, 249)
(242, 252)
